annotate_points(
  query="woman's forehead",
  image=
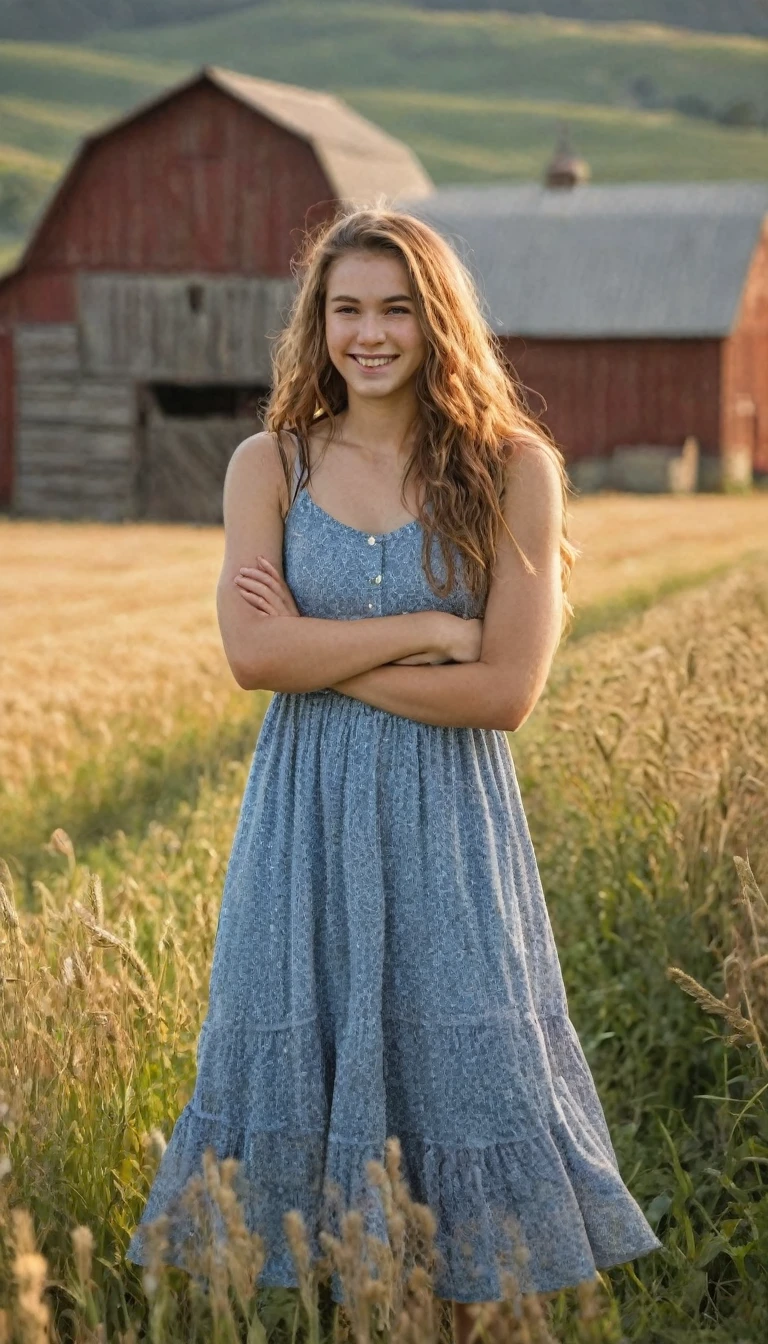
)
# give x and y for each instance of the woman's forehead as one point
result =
(358, 274)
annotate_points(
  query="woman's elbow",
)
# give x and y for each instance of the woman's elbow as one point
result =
(261, 675)
(248, 670)
(516, 712)
(243, 674)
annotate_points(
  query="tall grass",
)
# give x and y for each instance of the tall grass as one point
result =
(643, 773)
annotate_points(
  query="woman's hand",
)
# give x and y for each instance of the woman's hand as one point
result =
(457, 641)
(453, 640)
(264, 588)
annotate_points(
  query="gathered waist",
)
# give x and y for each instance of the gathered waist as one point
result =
(326, 706)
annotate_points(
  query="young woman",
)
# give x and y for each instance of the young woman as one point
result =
(395, 570)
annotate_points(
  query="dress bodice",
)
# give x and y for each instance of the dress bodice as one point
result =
(341, 573)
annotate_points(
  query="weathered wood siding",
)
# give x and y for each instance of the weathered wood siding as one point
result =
(7, 413)
(595, 395)
(745, 369)
(190, 328)
(75, 434)
(184, 462)
(46, 350)
(195, 188)
(199, 183)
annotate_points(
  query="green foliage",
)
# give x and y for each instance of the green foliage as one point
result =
(68, 20)
(479, 96)
(739, 16)
(640, 774)
(20, 199)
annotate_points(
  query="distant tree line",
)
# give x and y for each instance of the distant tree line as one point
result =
(72, 20)
(20, 200)
(714, 16)
(740, 112)
(49, 20)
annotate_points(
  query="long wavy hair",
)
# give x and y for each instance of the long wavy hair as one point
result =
(471, 411)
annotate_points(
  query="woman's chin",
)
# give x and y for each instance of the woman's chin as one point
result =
(375, 388)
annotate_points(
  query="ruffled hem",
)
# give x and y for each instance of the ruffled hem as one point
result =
(564, 1201)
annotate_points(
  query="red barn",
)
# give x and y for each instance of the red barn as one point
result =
(638, 315)
(134, 332)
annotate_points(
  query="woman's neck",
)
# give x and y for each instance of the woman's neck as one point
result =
(381, 427)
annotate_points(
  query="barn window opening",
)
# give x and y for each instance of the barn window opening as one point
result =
(195, 294)
(209, 399)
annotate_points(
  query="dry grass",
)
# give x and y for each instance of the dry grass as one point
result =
(676, 708)
(641, 542)
(643, 772)
(109, 633)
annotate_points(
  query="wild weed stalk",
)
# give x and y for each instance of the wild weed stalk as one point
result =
(643, 773)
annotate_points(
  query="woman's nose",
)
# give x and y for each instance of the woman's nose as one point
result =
(370, 330)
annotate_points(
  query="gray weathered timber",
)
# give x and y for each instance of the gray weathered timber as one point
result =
(76, 401)
(185, 464)
(186, 328)
(43, 348)
(74, 471)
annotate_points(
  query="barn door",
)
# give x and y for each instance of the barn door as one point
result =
(188, 437)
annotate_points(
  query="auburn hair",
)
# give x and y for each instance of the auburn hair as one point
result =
(471, 411)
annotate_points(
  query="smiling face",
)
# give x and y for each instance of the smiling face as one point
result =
(372, 329)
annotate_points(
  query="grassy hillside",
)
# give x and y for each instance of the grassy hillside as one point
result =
(75, 20)
(70, 20)
(478, 95)
(497, 54)
(737, 16)
(475, 139)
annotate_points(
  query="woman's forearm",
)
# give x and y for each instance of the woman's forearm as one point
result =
(275, 653)
(451, 695)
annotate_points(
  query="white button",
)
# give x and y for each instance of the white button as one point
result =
(370, 606)
(371, 541)
(377, 579)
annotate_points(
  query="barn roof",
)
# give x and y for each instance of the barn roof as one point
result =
(635, 260)
(361, 161)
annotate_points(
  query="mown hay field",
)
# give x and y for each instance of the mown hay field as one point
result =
(644, 772)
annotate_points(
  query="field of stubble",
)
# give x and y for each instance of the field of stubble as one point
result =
(124, 745)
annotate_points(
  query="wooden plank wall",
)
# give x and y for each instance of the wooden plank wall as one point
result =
(595, 395)
(744, 407)
(7, 413)
(189, 328)
(75, 433)
(185, 463)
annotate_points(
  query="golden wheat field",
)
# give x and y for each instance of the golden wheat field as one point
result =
(107, 630)
(644, 772)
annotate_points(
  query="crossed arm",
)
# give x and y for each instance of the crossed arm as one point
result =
(363, 658)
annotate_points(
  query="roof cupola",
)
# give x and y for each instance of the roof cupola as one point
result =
(565, 169)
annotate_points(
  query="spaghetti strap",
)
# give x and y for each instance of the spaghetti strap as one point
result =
(295, 489)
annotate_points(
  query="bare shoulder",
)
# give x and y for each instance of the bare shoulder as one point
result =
(533, 500)
(255, 466)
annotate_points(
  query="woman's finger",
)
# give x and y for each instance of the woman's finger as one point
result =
(251, 588)
(257, 602)
(267, 564)
(270, 571)
(271, 580)
(254, 585)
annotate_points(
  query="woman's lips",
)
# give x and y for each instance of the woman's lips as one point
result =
(372, 362)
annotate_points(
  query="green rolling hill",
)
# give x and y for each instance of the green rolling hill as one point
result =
(477, 94)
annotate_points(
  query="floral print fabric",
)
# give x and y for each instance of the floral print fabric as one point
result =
(384, 964)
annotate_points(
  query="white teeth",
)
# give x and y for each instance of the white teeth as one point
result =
(374, 363)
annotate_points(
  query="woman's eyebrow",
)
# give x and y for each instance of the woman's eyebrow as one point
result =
(350, 298)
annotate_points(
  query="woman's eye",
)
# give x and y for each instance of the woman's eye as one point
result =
(395, 309)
